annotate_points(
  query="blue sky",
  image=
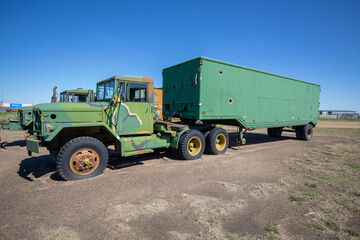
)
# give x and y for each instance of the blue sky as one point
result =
(76, 43)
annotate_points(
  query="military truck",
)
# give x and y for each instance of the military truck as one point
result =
(77, 95)
(22, 121)
(201, 92)
(24, 114)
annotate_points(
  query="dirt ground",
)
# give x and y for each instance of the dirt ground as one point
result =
(269, 188)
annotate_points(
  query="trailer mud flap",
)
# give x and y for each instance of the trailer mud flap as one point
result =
(32, 145)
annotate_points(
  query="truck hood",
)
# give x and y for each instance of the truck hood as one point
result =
(71, 107)
(29, 108)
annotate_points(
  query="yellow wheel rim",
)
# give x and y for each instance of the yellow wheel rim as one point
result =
(220, 142)
(84, 161)
(194, 146)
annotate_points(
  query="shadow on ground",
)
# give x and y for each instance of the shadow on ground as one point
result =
(20, 143)
(256, 138)
(35, 167)
(118, 162)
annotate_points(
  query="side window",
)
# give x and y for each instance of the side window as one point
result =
(109, 90)
(137, 92)
(76, 98)
(61, 97)
(100, 92)
(71, 98)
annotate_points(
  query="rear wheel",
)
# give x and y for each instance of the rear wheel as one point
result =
(304, 132)
(191, 145)
(270, 132)
(217, 141)
(82, 157)
(308, 132)
(299, 132)
(274, 132)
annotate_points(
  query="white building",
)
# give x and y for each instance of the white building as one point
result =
(338, 114)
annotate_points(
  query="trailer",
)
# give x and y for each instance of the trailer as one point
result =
(217, 92)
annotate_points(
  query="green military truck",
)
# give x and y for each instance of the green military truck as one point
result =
(201, 92)
(24, 114)
(21, 122)
(77, 95)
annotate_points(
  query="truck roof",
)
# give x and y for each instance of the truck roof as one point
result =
(77, 91)
(239, 66)
(129, 78)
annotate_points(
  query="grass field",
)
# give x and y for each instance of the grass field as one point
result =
(338, 120)
(7, 115)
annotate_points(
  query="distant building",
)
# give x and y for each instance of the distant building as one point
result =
(338, 114)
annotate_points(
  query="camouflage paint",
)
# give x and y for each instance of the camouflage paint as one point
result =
(131, 123)
(24, 114)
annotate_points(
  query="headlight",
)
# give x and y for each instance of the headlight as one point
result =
(49, 128)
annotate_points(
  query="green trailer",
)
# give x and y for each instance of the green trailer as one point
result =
(217, 92)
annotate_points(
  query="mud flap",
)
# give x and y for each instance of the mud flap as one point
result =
(32, 145)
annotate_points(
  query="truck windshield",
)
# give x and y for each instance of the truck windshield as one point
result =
(81, 98)
(105, 91)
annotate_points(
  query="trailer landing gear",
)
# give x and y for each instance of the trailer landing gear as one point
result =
(240, 139)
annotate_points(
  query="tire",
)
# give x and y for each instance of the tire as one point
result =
(277, 132)
(299, 130)
(217, 141)
(81, 158)
(175, 152)
(270, 132)
(191, 145)
(274, 132)
(206, 134)
(53, 154)
(307, 132)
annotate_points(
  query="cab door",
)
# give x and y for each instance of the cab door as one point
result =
(134, 116)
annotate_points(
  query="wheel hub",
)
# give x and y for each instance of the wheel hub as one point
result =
(194, 146)
(84, 161)
(220, 142)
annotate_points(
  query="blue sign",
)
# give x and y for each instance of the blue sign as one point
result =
(15, 105)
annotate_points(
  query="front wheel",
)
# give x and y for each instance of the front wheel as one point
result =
(81, 158)
(191, 145)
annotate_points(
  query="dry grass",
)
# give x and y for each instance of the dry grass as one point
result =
(333, 173)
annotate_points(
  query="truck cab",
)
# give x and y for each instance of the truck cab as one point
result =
(134, 99)
(77, 95)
